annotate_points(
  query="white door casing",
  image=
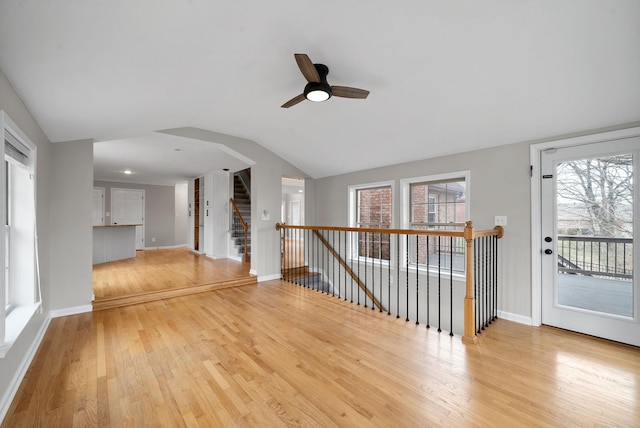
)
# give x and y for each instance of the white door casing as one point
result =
(127, 207)
(98, 206)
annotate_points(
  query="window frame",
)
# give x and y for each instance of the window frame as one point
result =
(352, 253)
(406, 206)
(24, 299)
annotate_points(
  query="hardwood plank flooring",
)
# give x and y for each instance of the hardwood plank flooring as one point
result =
(276, 354)
(160, 274)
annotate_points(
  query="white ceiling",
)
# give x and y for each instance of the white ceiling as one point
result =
(162, 159)
(445, 76)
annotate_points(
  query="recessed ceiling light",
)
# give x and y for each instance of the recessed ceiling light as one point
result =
(127, 171)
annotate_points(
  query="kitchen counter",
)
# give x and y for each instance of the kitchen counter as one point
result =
(113, 242)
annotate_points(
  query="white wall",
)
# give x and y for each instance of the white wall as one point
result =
(499, 185)
(267, 171)
(219, 215)
(159, 211)
(182, 212)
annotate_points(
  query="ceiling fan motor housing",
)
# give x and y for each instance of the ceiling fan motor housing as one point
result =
(322, 86)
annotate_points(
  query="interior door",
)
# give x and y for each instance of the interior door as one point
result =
(127, 207)
(589, 225)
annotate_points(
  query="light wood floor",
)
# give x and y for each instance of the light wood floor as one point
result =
(159, 274)
(276, 354)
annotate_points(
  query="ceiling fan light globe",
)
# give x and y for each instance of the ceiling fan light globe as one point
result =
(317, 91)
(317, 96)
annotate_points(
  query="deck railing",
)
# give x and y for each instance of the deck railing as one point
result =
(419, 275)
(596, 256)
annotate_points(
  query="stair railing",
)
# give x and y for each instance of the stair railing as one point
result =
(417, 274)
(237, 215)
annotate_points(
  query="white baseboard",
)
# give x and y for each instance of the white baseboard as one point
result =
(269, 277)
(70, 311)
(165, 247)
(253, 272)
(520, 319)
(220, 257)
(16, 380)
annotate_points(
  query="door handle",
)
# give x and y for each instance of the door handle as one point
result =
(548, 251)
(548, 239)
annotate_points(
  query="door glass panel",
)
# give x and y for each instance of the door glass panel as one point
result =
(594, 209)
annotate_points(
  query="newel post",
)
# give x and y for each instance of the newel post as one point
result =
(283, 241)
(469, 300)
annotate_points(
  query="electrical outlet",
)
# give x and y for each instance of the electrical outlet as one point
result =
(153, 239)
(500, 220)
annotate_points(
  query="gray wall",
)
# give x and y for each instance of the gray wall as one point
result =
(71, 242)
(64, 177)
(159, 211)
(499, 185)
(11, 103)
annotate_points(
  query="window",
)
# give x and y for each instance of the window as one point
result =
(19, 291)
(437, 202)
(431, 208)
(371, 206)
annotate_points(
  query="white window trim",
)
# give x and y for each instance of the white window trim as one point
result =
(16, 321)
(12, 323)
(405, 208)
(405, 188)
(351, 204)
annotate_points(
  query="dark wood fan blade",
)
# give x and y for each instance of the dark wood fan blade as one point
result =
(347, 92)
(293, 101)
(307, 68)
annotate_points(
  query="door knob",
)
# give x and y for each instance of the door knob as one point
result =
(548, 251)
(548, 239)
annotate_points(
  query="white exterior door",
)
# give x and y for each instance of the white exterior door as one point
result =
(127, 207)
(98, 205)
(589, 213)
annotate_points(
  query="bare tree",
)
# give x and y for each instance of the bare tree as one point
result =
(602, 190)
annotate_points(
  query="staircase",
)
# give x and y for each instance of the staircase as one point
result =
(242, 198)
(301, 275)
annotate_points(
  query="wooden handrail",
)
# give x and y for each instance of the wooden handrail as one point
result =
(245, 226)
(496, 231)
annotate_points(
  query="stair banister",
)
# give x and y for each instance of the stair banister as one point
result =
(484, 281)
(245, 227)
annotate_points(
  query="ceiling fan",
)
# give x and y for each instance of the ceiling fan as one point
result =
(318, 90)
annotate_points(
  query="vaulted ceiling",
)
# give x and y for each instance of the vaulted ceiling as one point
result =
(445, 76)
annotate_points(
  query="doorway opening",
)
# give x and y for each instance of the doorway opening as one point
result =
(292, 213)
